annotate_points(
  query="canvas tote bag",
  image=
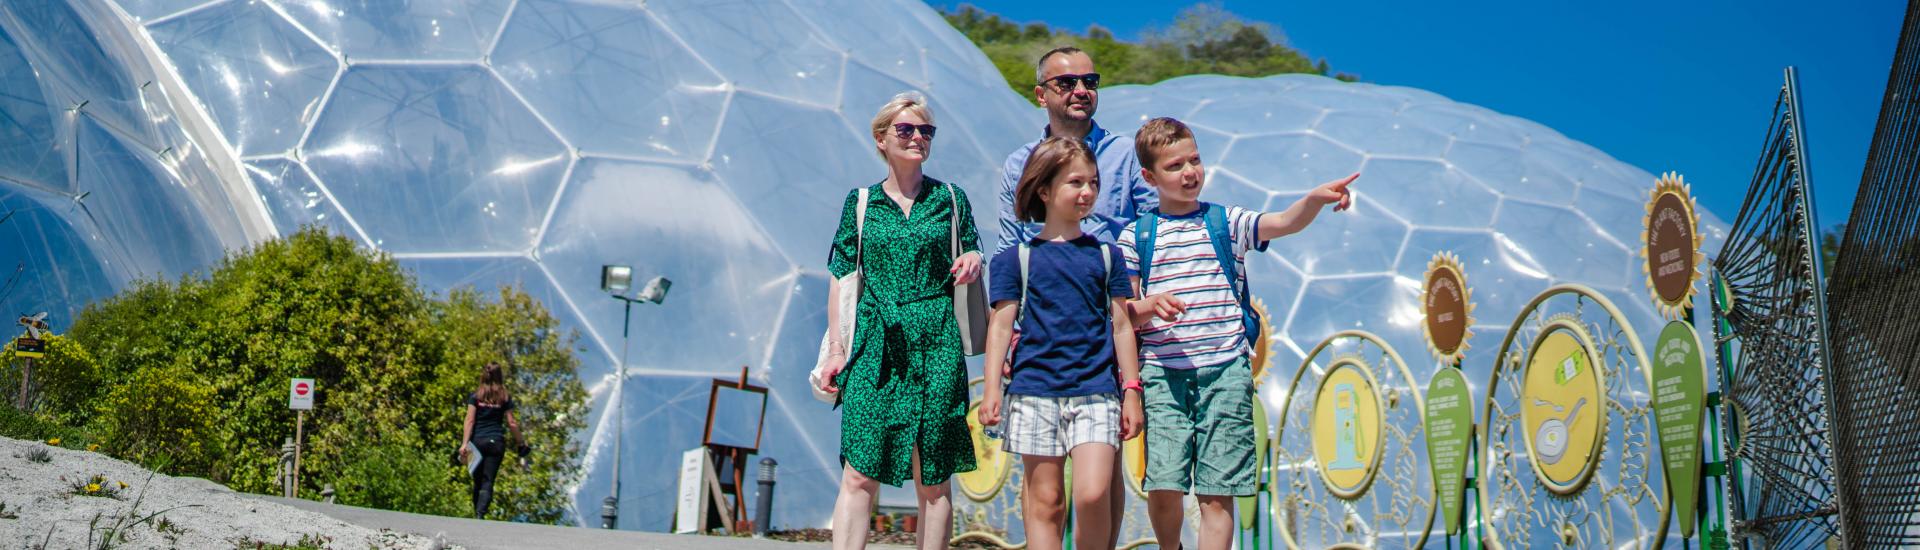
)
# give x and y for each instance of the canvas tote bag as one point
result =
(848, 307)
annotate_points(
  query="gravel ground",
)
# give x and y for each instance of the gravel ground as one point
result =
(47, 505)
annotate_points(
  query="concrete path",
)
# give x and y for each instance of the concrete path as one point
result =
(499, 535)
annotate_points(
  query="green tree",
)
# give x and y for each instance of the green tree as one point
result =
(161, 415)
(390, 363)
(65, 379)
(1204, 39)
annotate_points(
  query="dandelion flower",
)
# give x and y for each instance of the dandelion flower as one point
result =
(54, 442)
(91, 447)
(123, 484)
(93, 487)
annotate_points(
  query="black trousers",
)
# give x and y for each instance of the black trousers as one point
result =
(492, 450)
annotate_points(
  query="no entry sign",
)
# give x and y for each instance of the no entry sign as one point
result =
(300, 395)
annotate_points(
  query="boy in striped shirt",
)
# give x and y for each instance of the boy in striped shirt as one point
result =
(1194, 330)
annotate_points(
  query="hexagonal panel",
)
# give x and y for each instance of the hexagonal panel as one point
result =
(1295, 161)
(1330, 305)
(33, 152)
(1268, 116)
(1382, 134)
(82, 70)
(294, 199)
(796, 190)
(436, 159)
(611, 79)
(726, 297)
(1427, 193)
(1361, 240)
(1227, 187)
(1362, 97)
(756, 45)
(148, 10)
(259, 77)
(416, 29)
(151, 224)
(1570, 247)
(52, 248)
(1512, 172)
(853, 33)
(1464, 123)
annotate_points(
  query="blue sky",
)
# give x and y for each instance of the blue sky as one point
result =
(1684, 86)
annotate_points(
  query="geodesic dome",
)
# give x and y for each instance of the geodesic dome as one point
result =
(500, 142)
(529, 142)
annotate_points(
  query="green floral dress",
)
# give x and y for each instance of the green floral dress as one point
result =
(905, 384)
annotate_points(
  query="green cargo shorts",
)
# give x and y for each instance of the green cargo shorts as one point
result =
(1200, 429)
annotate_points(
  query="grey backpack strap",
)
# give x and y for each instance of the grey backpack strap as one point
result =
(1025, 252)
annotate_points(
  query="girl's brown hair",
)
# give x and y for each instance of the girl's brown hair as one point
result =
(1049, 158)
(493, 385)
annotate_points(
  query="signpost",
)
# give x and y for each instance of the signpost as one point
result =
(300, 399)
(29, 347)
(1447, 306)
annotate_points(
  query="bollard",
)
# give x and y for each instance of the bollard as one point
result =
(286, 468)
(609, 513)
(326, 493)
(763, 513)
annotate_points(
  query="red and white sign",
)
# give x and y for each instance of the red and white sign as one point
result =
(300, 395)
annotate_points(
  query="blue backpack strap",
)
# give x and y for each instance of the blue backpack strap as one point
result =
(1145, 229)
(1216, 220)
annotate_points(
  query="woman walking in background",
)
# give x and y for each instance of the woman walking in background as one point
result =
(489, 418)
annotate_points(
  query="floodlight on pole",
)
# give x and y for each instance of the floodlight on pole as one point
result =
(615, 280)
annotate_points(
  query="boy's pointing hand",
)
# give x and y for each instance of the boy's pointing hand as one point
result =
(1335, 192)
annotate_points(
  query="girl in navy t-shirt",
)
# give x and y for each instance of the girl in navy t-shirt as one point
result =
(1066, 291)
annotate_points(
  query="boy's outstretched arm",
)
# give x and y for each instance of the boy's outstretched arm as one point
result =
(1274, 225)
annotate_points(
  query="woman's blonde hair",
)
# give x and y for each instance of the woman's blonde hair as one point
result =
(903, 101)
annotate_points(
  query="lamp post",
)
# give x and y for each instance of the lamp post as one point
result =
(615, 280)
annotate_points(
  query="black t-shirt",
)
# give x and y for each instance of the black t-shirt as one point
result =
(489, 420)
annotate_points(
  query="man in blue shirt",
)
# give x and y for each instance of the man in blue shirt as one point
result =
(1068, 88)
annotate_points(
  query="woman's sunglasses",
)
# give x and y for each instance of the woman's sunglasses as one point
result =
(905, 131)
(1066, 82)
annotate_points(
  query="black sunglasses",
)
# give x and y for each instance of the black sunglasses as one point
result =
(905, 131)
(1066, 82)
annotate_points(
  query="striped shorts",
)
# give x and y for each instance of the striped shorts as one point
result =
(1053, 426)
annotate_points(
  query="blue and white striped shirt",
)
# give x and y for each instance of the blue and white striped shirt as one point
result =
(1210, 332)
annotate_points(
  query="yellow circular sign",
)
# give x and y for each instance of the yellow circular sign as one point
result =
(994, 465)
(1562, 408)
(1347, 435)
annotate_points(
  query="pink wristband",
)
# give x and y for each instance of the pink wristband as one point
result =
(1134, 385)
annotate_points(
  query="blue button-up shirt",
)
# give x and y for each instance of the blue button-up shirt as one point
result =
(1123, 194)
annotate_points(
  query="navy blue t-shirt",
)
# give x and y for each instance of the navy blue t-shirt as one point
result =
(1066, 338)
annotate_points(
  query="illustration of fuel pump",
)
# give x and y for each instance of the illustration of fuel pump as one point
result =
(1346, 430)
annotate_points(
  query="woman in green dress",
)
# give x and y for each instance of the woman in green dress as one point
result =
(903, 385)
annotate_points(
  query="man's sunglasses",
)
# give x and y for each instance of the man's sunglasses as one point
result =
(1066, 82)
(905, 131)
